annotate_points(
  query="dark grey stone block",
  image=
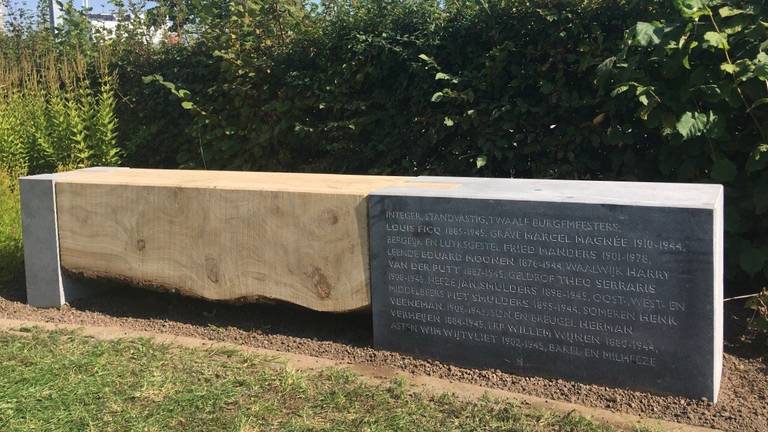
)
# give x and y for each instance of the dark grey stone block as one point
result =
(41, 242)
(47, 286)
(618, 284)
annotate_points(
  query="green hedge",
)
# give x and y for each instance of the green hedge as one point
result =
(696, 83)
(154, 129)
(604, 89)
(406, 87)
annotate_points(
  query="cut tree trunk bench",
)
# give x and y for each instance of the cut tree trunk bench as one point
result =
(239, 236)
(615, 283)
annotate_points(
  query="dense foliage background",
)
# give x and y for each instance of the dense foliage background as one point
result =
(655, 90)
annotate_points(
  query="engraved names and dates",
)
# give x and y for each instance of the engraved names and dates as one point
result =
(609, 294)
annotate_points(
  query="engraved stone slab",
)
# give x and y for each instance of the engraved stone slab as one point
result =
(613, 283)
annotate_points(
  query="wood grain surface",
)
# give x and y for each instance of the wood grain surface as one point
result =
(300, 238)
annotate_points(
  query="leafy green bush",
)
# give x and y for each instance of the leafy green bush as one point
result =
(697, 82)
(407, 87)
(154, 130)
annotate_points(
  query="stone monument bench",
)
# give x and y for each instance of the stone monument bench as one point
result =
(615, 283)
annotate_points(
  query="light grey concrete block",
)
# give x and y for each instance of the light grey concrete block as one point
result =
(648, 194)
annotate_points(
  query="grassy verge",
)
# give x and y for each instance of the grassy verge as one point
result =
(62, 381)
(10, 230)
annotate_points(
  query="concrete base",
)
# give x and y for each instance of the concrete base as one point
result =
(47, 286)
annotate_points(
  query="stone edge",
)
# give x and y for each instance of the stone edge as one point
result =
(700, 196)
(718, 288)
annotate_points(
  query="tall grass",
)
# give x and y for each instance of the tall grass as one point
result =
(57, 112)
(10, 230)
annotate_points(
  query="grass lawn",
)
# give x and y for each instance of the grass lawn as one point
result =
(62, 381)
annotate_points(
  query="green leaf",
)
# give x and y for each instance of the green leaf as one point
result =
(752, 260)
(693, 124)
(647, 33)
(429, 60)
(169, 85)
(729, 68)
(448, 121)
(437, 97)
(150, 78)
(442, 76)
(716, 39)
(606, 65)
(187, 105)
(727, 11)
(619, 90)
(761, 66)
(481, 161)
(758, 159)
(761, 71)
(724, 170)
(732, 27)
(426, 58)
(692, 8)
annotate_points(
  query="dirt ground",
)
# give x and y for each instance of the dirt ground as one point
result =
(743, 404)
